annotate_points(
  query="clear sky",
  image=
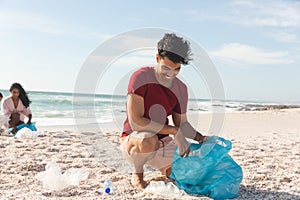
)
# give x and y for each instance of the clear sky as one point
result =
(255, 45)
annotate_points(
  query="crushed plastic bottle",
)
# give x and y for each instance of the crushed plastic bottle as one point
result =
(108, 187)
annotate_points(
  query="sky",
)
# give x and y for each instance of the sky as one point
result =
(254, 45)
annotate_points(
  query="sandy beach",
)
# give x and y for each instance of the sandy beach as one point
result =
(266, 144)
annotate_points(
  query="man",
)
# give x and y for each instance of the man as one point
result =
(154, 93)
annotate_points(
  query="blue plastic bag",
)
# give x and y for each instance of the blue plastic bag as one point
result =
(19, 127)
(208, 170)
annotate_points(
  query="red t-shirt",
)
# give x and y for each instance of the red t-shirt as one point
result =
(159, 101)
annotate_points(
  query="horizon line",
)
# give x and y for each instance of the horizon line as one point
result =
(207, 99)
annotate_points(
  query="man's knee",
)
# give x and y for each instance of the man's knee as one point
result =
(144, 142)
(149, 144)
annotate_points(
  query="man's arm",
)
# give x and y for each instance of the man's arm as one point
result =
(180, 121)
(135, 110)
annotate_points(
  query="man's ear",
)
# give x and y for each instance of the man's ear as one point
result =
(157, 58)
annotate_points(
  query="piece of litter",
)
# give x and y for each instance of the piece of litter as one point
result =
(160, 189)
(53, 179)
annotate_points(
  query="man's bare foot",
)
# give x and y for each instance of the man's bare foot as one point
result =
(168, 172)
(137, 180)
(159, 178)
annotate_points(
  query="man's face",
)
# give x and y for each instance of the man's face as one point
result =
(0, 98)
(167, 70)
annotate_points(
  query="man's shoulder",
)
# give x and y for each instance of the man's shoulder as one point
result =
(179, 83)
(145, 69)
(144, 72)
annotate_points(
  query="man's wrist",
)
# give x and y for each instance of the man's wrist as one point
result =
(174, 130)
(199, 137)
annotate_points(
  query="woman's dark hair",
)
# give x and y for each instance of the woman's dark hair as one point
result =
(1, 95)
(175, 48)
(23, 95)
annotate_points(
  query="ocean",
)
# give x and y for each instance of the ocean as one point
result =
(60, 108)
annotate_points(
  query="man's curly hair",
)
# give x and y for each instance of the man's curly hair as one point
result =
(175, 48)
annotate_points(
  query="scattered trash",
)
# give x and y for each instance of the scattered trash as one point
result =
(160, 189)
(53, 179)
(27, 133)
(108, 187)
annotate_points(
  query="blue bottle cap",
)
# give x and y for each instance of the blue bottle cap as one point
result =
(107, 190)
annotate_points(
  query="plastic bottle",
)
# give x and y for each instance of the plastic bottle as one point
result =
(108, 187)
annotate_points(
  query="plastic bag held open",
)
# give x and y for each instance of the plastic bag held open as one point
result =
(208, 170)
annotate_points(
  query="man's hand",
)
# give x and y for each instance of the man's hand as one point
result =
(200, 138)
(183, 145)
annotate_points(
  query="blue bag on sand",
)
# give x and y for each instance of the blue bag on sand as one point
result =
(19, 127)
(208, 170)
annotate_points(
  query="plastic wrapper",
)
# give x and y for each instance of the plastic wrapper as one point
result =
(53, 179)
(162, 190)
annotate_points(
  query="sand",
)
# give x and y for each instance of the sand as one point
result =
(266, 144)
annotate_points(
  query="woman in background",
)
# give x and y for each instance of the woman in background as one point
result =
(16, 106)
(1, 96)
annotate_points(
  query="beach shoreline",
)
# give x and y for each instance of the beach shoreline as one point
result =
(266, 144)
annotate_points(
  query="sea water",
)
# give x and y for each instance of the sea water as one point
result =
(60, 108)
